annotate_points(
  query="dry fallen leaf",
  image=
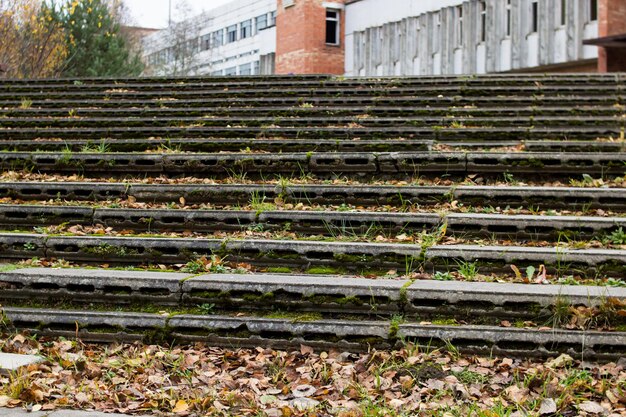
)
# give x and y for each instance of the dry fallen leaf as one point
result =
(180, 407)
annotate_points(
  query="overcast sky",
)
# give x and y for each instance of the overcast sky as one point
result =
(154, 13)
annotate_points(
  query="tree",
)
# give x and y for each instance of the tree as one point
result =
(179, 44)
(32, 43)
(95, 45)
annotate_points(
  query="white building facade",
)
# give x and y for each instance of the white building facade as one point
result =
(393, 37)
(238, 38)
(431, 37)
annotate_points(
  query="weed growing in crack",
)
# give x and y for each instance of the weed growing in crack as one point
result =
(259, 204)
(468, 270)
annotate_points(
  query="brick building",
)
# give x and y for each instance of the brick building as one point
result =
(401, 37)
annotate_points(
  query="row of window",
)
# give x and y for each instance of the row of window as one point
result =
(238, 31)
(251, 68)
(215, 39)
(561, 16)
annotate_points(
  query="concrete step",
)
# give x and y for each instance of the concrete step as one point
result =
(340, 334)
(318, 163)
(535, 197)
(361, 224)
(356, 257)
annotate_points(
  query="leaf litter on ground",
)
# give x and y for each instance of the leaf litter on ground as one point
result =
(198, 380)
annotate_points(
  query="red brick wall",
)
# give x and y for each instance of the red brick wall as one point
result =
(611, 21)
(301, 40)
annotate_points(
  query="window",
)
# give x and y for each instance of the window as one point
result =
(459, 36)
(257, 67)
(534, 17)
(246, 29)
(508, 18)
(593, 10)
(437, 36)
(563, 13)
(230, 71)
(483, 21)
(332, 27)
(205, 42)
(245, 69)
(261, 22)
(191, 47)
(272, 19)
(217, 38)
(219, 72)
(231, 34)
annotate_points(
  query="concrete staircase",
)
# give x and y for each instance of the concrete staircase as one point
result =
(330, 212)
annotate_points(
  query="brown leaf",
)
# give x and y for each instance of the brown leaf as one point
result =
(306, 350)
(516, 394)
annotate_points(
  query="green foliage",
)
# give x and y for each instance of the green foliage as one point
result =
(618, 237)
(96, 46)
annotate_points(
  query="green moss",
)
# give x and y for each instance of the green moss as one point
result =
(9, 267)
(295, 317)
(324, 270)
(403, 298)
(444, 321)
(211, 294)
(279, 270)
(106, 250)
(158, 336)
(352, 259)
(330, 299)
(394, 326)
(256, 298)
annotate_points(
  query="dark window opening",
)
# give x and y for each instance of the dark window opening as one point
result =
(483, 21)
(246, 29)
(231, 34)
(534, 17)
(563, 12)
(332, 27)
(459, 11)
(593, 10)
(508, 17)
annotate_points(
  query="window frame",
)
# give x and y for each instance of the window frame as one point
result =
(337, 22)
(508, 19)
(246, 69)
(217, 38)
(593, 10)
(245, 29)
(231, 30)
(261, 18)
(459, 16)
(534, 17)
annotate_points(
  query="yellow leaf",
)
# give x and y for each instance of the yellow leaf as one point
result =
(518, 273)
(180, 407)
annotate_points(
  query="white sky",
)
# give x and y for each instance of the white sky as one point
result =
(154, 13)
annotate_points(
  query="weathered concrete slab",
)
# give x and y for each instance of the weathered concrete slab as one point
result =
(10, 362)
(530, 226)
(87, 325)
(18, 412)
(94, 284)
(509, 254)
(519, 342)
(541, 197)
